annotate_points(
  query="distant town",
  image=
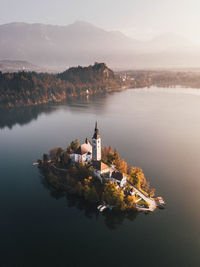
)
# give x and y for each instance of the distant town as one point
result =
(99, 176)
(29, 88)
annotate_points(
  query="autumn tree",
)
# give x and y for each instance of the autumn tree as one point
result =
(90, 193)
(89, 190)
(136, 176)
(83, 171)
(79, 189)
(130, 202)
(64, 159)
(114, 196)
(73, 146)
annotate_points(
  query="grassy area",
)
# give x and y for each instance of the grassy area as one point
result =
(143, 202)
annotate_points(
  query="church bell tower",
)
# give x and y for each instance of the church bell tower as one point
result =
(96, 145)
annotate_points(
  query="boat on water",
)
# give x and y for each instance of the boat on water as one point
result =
(35, 164)
(102, 207)
(160, 203)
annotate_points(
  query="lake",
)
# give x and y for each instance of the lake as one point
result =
(156, 129)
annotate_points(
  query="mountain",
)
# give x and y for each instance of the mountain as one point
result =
(168, 42)
(19, 65)
(82, 43)
(78, 43)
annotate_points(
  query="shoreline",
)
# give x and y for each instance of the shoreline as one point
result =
(63, 100)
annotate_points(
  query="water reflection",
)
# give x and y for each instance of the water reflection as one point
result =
(22, 115)
(9, 117)
(112, 220)
(153, 129)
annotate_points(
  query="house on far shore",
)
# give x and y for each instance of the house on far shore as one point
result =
(83, 153)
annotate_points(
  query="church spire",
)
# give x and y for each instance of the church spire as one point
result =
(96, 144)
(96, 132)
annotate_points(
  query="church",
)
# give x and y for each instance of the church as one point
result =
(100, 169)
(90, 153)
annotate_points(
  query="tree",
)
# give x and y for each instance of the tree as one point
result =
(73, 146)
(83, 171)
(121, 165)
(79, 189)
(137, 177)
(130, 202)
(45, 157)
(113, 196)
(152, 192)
(90, 193)
(58, 154)
(65, 160)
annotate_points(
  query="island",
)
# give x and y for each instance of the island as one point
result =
(99, 176)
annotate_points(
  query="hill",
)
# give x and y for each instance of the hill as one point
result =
(18, 65)
(31, 88)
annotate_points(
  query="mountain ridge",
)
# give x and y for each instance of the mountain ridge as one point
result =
(82, 43)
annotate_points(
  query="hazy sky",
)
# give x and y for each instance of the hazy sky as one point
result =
(140, 19)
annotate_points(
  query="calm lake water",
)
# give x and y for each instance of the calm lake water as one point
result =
(157, 129)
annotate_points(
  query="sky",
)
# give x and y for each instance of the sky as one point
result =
(139, 19)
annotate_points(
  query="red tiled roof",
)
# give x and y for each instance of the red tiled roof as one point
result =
(98, 165)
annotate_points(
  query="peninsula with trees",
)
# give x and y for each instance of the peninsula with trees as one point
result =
(25, 88)
(32, 88)
(99, 176)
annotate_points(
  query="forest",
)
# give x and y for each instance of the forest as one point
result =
(22, 89)
(31, 88)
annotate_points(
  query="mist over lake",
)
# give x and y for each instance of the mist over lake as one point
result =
(156, 129)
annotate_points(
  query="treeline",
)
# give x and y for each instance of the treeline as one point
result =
(144, 78)
(31, 88)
